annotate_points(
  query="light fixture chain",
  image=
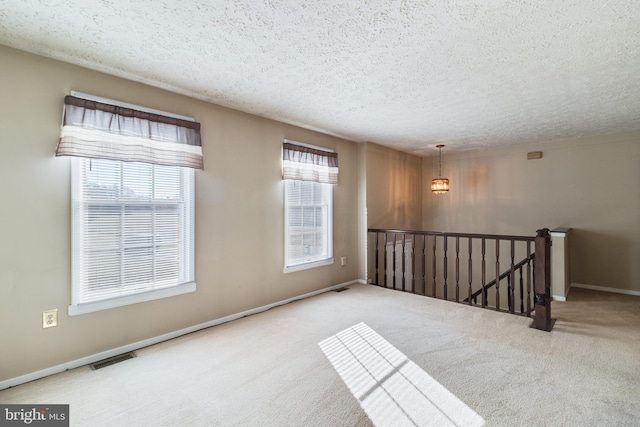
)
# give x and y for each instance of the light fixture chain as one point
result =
(439, 185)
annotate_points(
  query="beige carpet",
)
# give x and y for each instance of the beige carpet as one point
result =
(270, 370)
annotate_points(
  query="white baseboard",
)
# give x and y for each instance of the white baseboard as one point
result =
(12, 382)
(559, 298)
(606, 289)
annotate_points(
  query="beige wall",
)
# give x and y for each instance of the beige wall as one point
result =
(239, 218)
(588, 184)
(394, 189)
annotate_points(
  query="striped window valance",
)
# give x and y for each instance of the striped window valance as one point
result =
(304, 163)
(98, 130)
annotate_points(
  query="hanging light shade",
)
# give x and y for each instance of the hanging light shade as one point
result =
(439, 185)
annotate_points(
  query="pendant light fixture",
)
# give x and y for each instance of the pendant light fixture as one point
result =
(439, 185)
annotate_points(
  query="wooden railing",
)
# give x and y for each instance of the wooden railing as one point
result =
(429, 263)
(508, 274)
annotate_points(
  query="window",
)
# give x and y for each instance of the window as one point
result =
(309, 173)
(308, 224)
(132, 201)
(132, 230)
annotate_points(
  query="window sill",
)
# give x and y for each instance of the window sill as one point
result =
(308, 265)
(90, 307)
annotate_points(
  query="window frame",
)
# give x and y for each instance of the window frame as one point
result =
(189, 285)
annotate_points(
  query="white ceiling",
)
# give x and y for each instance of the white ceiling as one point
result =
(408, 74)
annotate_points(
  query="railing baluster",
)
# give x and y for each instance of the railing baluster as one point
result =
(404, 266)
(394, 260)
(377, 276)
(497, 274)
(470, 269)
(384, 241)
(413, 263)
(512, 301)
(521, 291)
(433, 285)
(484, 270)
(509, 292)
(445, 269)
(457, 268)
(424, 266)
(529, 279)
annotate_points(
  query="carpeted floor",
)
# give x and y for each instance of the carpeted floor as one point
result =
(269, 369)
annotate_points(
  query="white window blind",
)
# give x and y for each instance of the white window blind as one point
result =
(132, 229)
(308, 224)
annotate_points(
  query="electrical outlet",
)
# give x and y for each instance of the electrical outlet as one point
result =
(343, 261)
(49, 318)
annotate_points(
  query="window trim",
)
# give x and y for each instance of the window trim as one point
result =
(89, 307)
(307, 265)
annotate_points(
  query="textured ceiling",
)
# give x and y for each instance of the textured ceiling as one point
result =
(406, 74)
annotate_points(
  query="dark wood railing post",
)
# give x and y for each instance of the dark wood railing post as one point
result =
(542, 281)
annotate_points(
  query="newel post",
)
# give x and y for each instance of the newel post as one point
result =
(542, 281)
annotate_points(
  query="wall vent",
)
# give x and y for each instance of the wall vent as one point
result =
(112, 360)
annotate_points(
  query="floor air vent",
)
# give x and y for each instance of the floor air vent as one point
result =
(341, 289)
(112, 360)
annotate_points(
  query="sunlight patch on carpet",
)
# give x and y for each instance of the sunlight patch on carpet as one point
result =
(392, 389)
